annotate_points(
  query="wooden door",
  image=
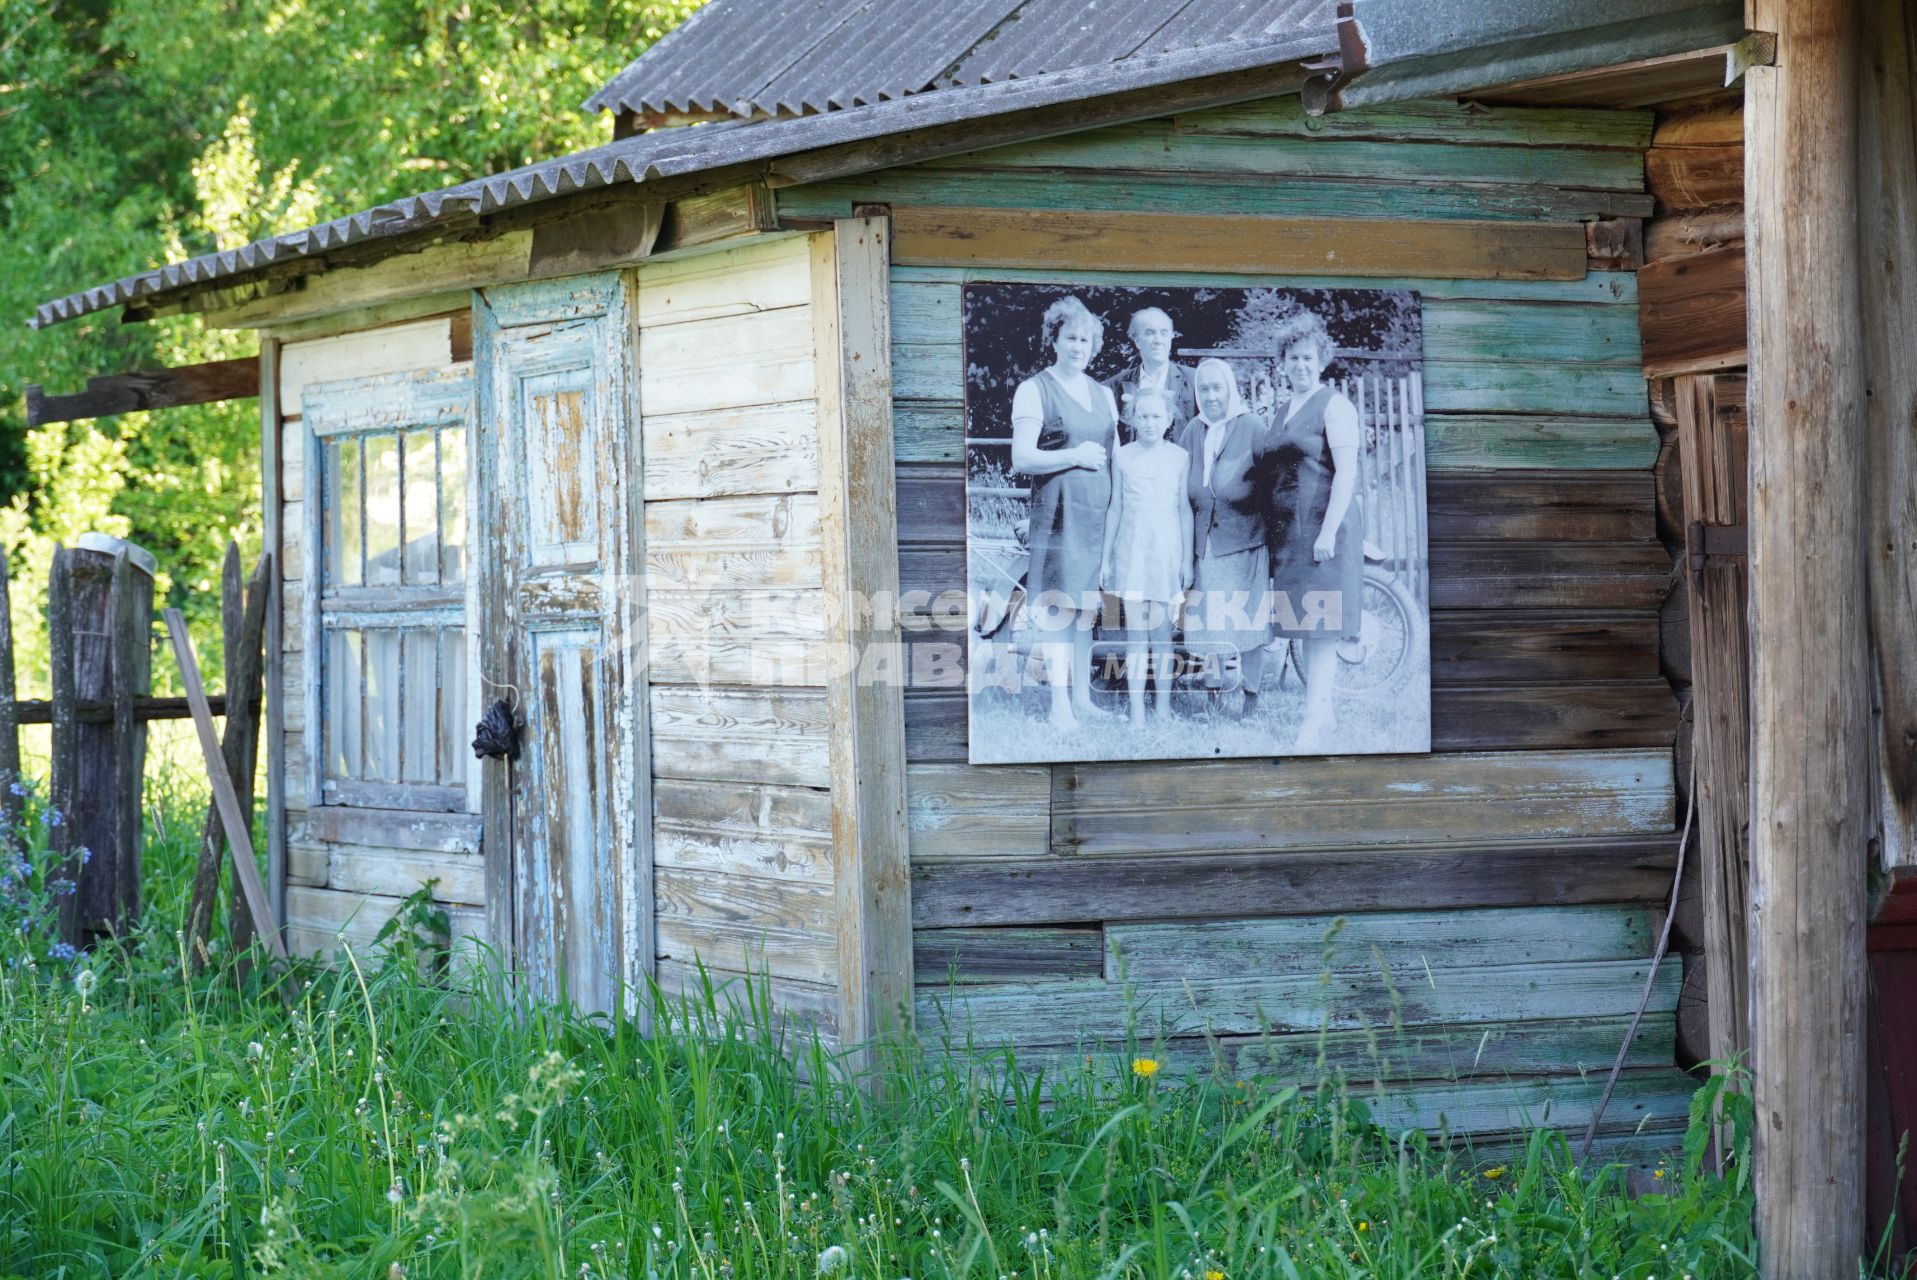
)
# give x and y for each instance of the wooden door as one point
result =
(567, 856)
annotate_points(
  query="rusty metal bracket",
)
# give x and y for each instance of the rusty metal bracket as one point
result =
(1704, 543)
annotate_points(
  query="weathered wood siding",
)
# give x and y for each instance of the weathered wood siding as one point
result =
(1493, 894)
(742, 836)
(348, 870)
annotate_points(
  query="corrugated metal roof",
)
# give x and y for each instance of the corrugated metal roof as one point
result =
(680, 152)
(776, 57)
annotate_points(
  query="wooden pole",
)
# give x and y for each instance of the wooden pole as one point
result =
(60, 773)
(11, 805)
(1811, 808)
(245, 867)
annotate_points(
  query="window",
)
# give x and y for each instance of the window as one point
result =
(392, 609)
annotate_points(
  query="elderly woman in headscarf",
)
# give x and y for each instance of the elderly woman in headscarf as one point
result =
(1231, 491)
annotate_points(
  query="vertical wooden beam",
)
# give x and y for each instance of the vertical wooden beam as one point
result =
(11, 804)
(640, 898)
(1811, 809)
(272, 500)
(1887, 248)
(66, 729)
(858, 518)
(1715, 467)
(129, 628)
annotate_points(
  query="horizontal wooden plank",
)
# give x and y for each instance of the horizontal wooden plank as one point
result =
(783, 953)
(720, 543)
(1583, 507)
(756, 358)
(1652, 1098)
(392, 829)
(1082, 1011)
(397, 873)
(436, 269)
(1506, 717)
(1211, 242)
(934, 431)
(740, 735)
(319, 920)
(793, 1010)
(395, 348)
(761, 275)
(1430, 120)
(943, 956)
(1616, 288)
(770, 448)
(770, 832)
(1398, 940)
(308, 862)
(959, 812)
(1693, 312)
(1191, 193)
(1042, 890)
(1557, 1046)
(768, 638)
(742, 922)
(1352, 802)
(1162, 146)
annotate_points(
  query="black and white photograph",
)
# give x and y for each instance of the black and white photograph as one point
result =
(1195, 523)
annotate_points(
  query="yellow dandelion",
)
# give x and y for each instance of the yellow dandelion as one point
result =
(1494, 1174)
(1657, 1173)
(1364, 1226)
(1214, 1275)
(1144, 1068)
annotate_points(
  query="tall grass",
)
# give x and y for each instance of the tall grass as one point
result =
(389, 1118)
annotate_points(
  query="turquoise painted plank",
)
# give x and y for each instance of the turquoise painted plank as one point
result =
(927, 371)
(1088, 1012)
(1405, 942)
(1584, 333)
(1189, 193)
(1432, 120)
(1596, 286)
(933, 431)
(1654, 1098)
(1496, 1050)
(1156, 147)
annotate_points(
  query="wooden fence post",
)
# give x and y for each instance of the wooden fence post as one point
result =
(63, 714)
(11, 804)
(110, 598)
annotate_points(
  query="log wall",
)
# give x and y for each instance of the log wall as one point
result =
(1490, 900)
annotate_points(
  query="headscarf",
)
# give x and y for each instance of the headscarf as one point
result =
(1234, 407)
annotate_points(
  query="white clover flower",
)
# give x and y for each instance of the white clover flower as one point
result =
(833, 1259)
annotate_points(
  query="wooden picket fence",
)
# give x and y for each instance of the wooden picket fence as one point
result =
(99, 613)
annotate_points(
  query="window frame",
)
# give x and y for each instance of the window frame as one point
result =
(385, 404)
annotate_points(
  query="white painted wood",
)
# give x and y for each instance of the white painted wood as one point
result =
(727, 362)
(400, 872)
(761, 276)
(739, 637)
(741, 735)
(771, 832)
(435, 269)
(418, 344)
(770, 448)
(727, 543)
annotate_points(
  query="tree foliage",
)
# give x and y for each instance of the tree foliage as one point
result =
(135, 132)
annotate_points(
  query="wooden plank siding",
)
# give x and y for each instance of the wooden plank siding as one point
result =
(1487, 905)
(741, 728)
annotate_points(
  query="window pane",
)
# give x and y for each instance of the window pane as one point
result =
(422, 509)
(382, 705)
(452, 506)
(455, 732)
(343, 701)
(419, 716)
(382, 511)
(342, 497)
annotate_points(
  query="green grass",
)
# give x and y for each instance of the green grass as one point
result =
(374, 1122)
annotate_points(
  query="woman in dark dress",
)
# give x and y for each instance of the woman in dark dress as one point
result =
(1318, 562)
(1064, 426)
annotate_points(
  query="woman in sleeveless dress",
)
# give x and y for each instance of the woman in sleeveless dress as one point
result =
(1064, 425)
(1318, 563)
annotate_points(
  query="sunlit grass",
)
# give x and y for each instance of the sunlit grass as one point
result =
(371, 1122)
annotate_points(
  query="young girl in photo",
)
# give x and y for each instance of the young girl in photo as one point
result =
(1147, 561)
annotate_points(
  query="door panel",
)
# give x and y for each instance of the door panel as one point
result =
(570, 878)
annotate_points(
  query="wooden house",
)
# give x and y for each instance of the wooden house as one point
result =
(628, 434)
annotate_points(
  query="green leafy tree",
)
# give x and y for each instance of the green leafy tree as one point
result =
(135, 132)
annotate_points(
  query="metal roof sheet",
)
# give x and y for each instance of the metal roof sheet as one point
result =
(679, 152)
(776, 57)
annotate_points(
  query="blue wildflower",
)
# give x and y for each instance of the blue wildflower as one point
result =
(61, 885)
(55, 817)
(21, 867)
(86, 855)
(62, 951)
(18, 787)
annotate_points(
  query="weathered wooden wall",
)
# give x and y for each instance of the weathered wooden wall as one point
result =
(742, 839)
(1495, 891)
(348, 870)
